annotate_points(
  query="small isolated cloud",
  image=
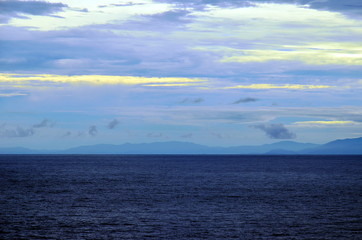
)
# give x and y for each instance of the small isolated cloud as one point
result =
(44, 123)
(188, 135)
(113, 124)
(245, 100)
(81, 134)
(276, 131)
(155, 135)
(217, 135)
(192, 100)
(16, 132)
(92, 131)
(67, 134)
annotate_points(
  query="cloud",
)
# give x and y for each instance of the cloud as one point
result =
(17, 9)
(16, 132)
(112, 124)
(155, 135)
(121, 4)
(275, 131)
(324, 123)
(67, 134)
(163, 22)
(92, 131)
(346, 6)
(44, 123)
(245, 100)
(26, 79)
(308, 56)
(202, 4)
(13, 94)
(217, 135)
(172, 85)
(187, 135)
(86, 13)
(192, 100)
(175, 16)
(279, 86)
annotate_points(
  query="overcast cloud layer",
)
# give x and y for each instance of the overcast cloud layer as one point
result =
(212, 72)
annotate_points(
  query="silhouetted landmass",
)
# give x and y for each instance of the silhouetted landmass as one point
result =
(281, 147)
(143, 148)
(344, 146)
(17, 150)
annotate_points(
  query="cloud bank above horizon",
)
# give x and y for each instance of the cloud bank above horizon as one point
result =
(219, 72)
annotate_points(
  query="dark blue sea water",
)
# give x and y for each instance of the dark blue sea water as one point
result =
(180, 197)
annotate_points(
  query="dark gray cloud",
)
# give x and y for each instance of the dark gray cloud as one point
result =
(192, 100)
(245, 100)
(112, 124)
(44, 123)
(276, 131)
(92, 130)
(16, 132)
(14, 8)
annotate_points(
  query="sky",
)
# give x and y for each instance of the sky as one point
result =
(212, 72)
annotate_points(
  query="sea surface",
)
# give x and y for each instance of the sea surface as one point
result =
(180, 197)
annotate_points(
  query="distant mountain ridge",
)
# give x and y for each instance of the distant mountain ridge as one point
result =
(342, 146)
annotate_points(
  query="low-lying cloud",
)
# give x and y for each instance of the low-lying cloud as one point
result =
(44, 123)
(112, 124)
(245, 100)
(92, 130)
(16, 132)
(192, 100)
(155, 135)
(276, 131)
(187, 135)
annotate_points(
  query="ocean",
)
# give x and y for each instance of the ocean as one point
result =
(180, 197)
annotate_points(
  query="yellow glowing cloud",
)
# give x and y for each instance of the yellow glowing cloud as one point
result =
(324, 122)
(171, 85)
(310, 56)
(275, 86)
(24, 79)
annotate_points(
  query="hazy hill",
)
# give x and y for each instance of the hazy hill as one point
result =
(185, 148)
(17, 150)
(282, 147)
(142, 148)
(344, 146)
